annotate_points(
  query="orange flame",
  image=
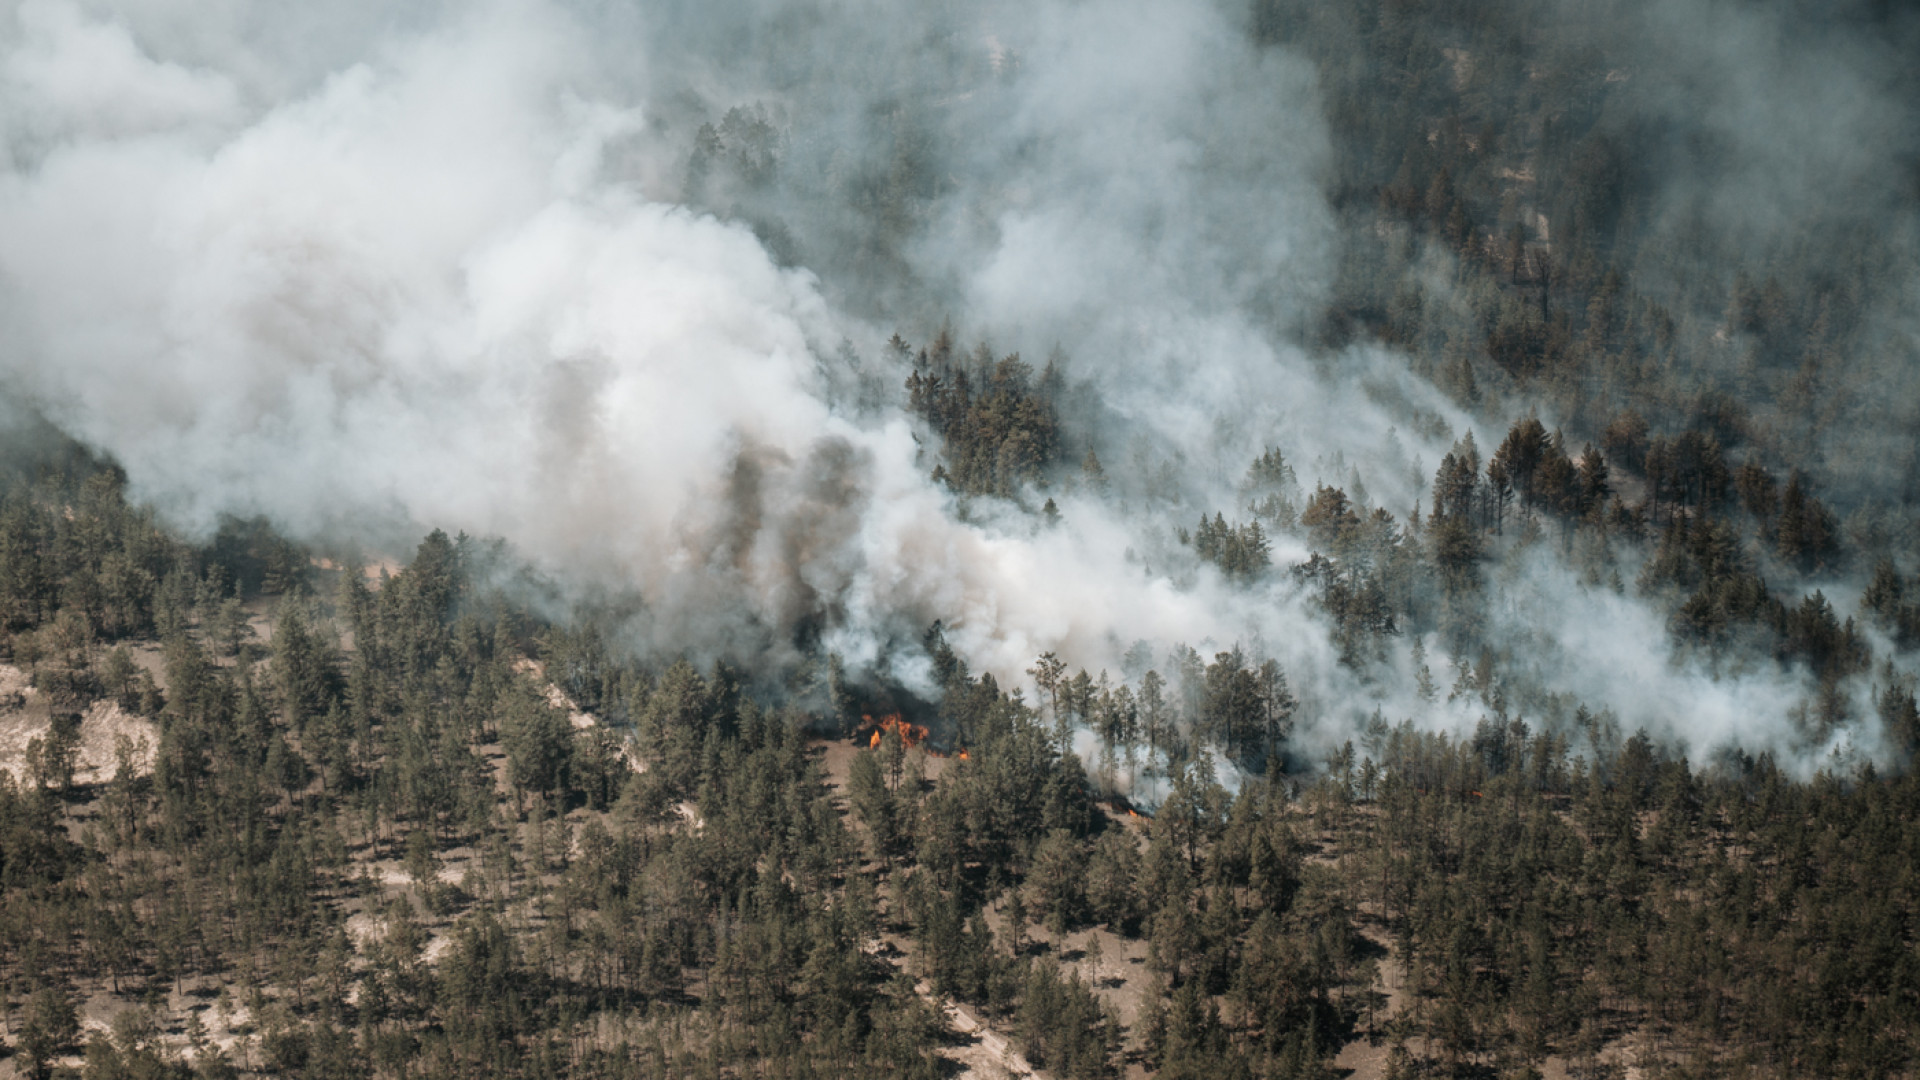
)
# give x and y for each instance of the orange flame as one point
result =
(963, 753)
(1132, 814)
(911, 735)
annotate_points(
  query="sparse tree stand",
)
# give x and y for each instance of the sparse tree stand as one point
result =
(48, 1027)
(51, 758)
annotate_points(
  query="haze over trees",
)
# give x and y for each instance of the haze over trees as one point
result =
(1494, 657)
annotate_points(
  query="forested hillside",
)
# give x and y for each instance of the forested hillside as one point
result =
(1694, 398)
(418, 831)
(1384, 541)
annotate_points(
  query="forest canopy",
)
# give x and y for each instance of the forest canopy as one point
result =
(1245, 539)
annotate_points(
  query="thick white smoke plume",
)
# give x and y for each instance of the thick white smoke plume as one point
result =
(412, 295)
(370, 278)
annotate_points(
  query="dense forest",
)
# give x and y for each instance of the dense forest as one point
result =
(1512, 228)
(418, 831)
(279, 808)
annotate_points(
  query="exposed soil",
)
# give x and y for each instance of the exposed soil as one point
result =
(25, 715)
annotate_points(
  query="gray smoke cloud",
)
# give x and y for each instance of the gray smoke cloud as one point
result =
(1782, 138)
(368, 275)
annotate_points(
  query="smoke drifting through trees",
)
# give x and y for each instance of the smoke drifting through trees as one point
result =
(491, 272)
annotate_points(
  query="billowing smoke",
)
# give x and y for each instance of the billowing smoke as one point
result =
(368, 277)
(413, 293)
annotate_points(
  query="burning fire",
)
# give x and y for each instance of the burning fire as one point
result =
(911, 735)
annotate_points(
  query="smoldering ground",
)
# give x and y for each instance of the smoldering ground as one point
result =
(458, 270)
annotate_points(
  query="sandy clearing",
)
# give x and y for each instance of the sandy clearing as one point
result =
(24, 716)
(101, 728)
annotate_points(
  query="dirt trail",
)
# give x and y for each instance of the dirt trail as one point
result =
(985, 1053)
(988, 1054)
(1365, 1059)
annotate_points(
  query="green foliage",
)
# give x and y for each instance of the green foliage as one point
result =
(48, 1027)
(1240, 551)
(1064, 1029)
(996, 421)
(719, 902)
(50, 758)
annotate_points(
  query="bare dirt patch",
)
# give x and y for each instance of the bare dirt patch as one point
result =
(25, 716)
(987, 1054)
(556, 697)
(102, 727)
